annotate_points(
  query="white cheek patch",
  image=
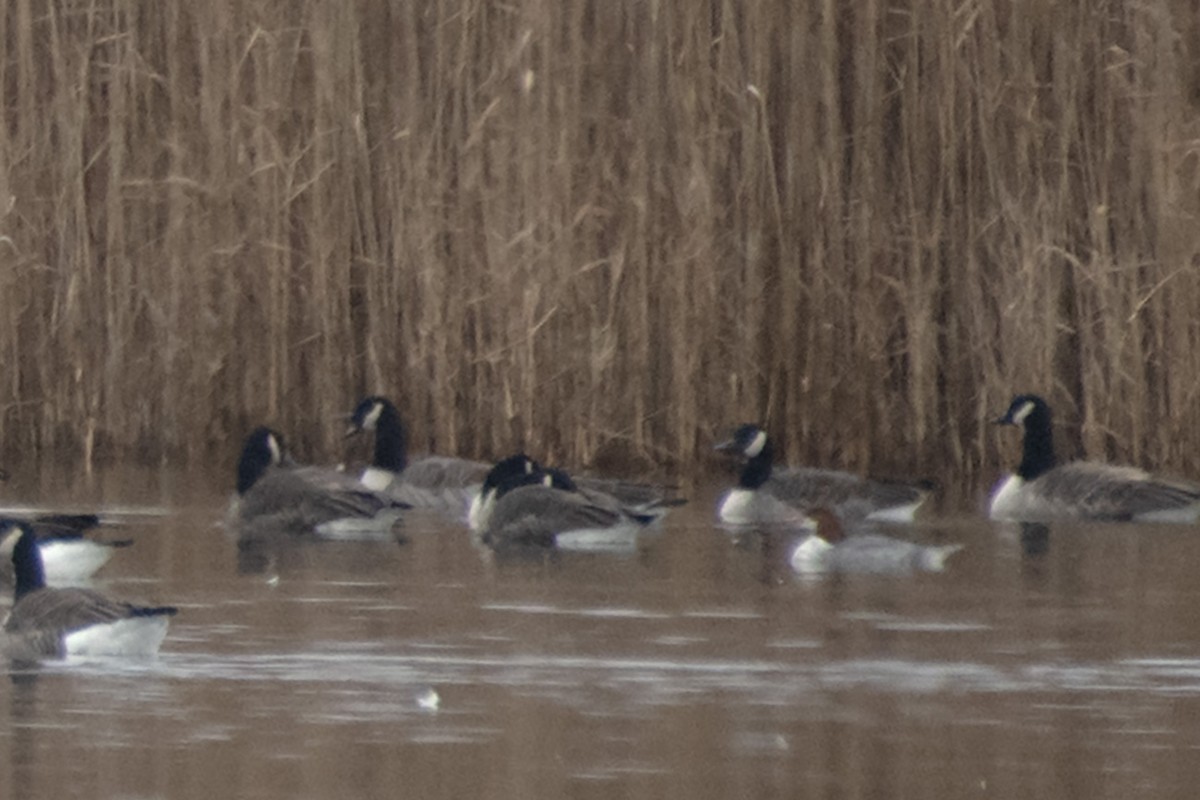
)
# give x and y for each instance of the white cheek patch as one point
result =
(756, 445)
(276, 452)
(8, 539)
(372, 416)
(1021, 413)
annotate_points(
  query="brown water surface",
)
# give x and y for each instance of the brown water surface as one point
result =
(1062, 665)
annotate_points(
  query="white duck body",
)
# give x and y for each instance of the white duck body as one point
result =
(830, 550)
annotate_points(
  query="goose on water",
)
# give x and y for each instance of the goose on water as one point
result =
(1042, 490)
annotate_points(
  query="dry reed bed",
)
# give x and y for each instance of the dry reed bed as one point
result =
(604, 231)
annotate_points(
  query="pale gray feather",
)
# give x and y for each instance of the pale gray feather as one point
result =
(1107, 492)
(441, 483)
(65, 610)
(853, 497)
(287, 500)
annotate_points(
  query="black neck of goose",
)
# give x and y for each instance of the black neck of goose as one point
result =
(251, 466)
(390, 444)
(1038, 450)
(27, 566)
(758, 469)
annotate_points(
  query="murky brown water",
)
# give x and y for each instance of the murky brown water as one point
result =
(1064, 666)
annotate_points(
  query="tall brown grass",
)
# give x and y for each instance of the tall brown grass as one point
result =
(604, 231)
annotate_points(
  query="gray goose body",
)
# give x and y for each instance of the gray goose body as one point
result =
(628, 498)
(1042, 490)
(544, 509)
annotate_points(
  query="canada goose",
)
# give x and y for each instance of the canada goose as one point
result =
(1043, 490)
(545, 508)
(829, 549)
(635, 500)
(765, 495)
(69, 555)
(438, 482)
(72, 621)
(273, 497)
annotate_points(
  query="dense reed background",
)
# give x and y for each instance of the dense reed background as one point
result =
(605, 231)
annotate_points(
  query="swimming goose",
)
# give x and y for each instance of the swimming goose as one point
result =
(829, 549)
(69, 555)
(72, 621)
(545, 508)
(635, 500)
(765, 495)
(1043, 490)
(438, 482)
(274, 497)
